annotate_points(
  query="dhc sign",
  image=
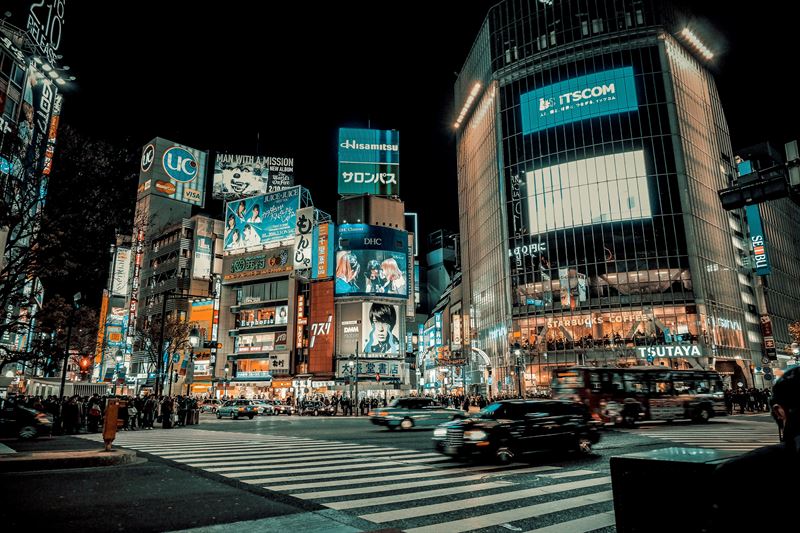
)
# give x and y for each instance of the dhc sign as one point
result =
(757, 240)
(595, 95)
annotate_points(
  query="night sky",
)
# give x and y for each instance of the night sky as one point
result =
(247, 77)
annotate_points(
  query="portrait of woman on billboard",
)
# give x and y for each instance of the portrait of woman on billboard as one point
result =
(395, 278)
(347, 269)
(375, 277)
(383, 337)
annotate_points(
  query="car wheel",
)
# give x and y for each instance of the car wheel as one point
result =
(391, 427)
(584, 446)
(503, 455)
(629, 421)
(234, 416)
(219, 416)
(407, 423)
(250, 417)
(703, 416)
(27, 432)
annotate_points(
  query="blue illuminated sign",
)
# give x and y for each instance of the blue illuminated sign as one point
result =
(595, 95)
(180, 164)
(758, 240)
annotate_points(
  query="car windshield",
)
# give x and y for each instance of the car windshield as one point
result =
(490, 411)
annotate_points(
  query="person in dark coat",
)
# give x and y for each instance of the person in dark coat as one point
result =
(776, 468)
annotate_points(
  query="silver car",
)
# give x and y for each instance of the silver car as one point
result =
(407, 413)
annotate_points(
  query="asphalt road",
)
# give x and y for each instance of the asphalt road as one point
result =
(346, 471)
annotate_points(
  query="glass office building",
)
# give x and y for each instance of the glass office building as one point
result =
(591, 145)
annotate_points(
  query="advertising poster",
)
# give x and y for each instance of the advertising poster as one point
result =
(380, 332)
(261, 219)
(348, 335)
(122, 271)
(201, 268)
(240, 176)
(563, 281)
(371, 260)
(369, 162)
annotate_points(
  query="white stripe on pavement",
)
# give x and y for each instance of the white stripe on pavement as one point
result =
(291, 462)
(571, 473)
(340, 476)
(513, 515)
(331, 451)
(411, 496)
(385, 487)
(580, 525)
(470, 503)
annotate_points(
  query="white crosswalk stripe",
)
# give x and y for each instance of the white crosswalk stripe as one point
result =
(394, 487)
(719, 436)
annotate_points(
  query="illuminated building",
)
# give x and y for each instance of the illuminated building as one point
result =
(591, 144)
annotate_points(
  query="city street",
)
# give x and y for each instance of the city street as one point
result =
(374, 478)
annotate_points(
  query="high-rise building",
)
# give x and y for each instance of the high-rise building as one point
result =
(591, 144)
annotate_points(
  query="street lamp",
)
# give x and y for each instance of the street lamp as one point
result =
(518, 355)
(194, 342)
(226, 370)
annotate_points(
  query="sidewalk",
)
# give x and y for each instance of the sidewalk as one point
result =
(53, 453)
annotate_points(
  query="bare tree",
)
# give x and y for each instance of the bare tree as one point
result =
(176, 339)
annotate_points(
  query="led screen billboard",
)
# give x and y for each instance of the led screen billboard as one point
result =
(369, 162)
(174, 171)
(240, 176)
(610, 188)
(603, 93)
(371, 260)
(261, 219)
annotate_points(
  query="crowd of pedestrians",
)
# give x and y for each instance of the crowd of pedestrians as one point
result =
(77, 414)
(751, 400)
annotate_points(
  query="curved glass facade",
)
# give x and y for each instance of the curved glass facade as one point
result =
(611, 145)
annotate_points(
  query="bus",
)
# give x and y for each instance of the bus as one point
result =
(624, 396)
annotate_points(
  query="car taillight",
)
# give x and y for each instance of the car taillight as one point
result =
(371, 413)
(383, 413)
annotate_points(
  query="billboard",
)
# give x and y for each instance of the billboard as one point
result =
(369, 162)
(609, 188)
(240, 176)
(261, 219)
(371, 260)
(321, 334)
(265, 316)
(201, 260)
(380, 331)
(758, 240)
(121, 272)
(258, 264)
(173, 171)
(322, 252)
(595, 95)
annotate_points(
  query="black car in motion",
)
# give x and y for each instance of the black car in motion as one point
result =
(510, 428)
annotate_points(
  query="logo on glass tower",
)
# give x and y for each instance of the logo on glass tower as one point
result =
(180, 164)
(148, 154)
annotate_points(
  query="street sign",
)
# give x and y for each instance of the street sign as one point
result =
(768, 377)
(765, 360)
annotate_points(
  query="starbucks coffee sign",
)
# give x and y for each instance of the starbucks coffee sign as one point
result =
(689, 350)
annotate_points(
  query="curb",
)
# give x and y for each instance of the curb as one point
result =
(23, 462)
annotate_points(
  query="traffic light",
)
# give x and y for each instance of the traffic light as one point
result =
(84, 363)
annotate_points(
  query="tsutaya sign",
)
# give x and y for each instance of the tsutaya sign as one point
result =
(689, 350)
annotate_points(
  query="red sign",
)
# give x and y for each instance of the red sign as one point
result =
(322, 330)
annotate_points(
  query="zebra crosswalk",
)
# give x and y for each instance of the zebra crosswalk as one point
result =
(388, 487)
(719, 435)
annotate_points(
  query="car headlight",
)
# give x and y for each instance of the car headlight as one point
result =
(440, 432)
(475, 434)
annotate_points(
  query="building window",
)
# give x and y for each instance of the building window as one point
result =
(542, 42)
(597, 25)
(584, 27)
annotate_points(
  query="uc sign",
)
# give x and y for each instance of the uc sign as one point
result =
(179, 164)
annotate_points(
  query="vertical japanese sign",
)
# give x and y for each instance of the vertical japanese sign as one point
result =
(303, 231)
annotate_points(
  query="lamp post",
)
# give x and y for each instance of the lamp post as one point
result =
(518, 354)
(194, 342)
(226, 370)
(118, 359)
(75, 299)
